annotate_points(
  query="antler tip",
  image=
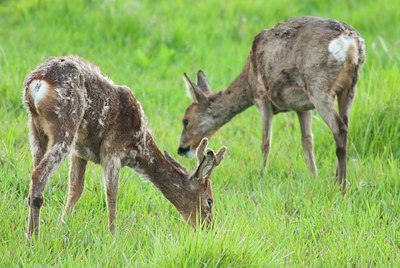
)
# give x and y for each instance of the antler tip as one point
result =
(210, 151)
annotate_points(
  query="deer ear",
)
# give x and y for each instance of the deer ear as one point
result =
(195, 92)
(202, 82)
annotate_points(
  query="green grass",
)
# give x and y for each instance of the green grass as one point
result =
(284, 219)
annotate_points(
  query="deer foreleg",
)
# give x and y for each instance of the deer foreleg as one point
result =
(111, 168)
(305, 119)
(38, 142)
(266, 118)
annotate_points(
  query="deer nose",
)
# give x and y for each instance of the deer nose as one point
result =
(182, 151)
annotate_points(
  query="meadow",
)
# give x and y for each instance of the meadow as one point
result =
(286, 218)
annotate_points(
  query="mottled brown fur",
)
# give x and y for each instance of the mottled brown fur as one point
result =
(76, 110)
(298, 65)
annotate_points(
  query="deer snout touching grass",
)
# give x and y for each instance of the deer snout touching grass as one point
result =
(76, 110)
(298, 65)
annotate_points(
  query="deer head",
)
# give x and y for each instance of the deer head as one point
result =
(198, 121)
(196, 205)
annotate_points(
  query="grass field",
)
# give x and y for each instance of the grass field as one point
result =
(285, 219)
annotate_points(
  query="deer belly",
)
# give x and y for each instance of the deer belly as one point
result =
(291, 98)
(87, 153)
(285, 89)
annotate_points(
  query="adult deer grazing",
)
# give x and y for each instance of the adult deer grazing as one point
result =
(75, 109)
(298, 65)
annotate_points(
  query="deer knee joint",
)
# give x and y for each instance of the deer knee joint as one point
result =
(265, 147)
(308, 140)
(340, 151)
(345, 120)
(36, 202)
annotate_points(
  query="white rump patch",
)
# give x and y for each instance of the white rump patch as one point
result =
(38, 89)
(338, 47)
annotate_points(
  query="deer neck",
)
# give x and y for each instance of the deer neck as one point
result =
(233, 100)
(152, 164)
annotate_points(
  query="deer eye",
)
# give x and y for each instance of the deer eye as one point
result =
(185, 122)
(209, 202)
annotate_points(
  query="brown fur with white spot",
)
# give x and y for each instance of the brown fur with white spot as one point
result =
(298, 65)
(76, 110)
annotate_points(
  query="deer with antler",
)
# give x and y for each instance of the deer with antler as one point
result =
(298, 65)
(76, 110)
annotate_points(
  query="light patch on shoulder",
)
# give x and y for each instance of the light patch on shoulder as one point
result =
(142, 173)
(38, 89)
(338, 47)
(103, 116)
(259, 79)
(111, 168)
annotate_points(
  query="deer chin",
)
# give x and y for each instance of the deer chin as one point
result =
(190, 154)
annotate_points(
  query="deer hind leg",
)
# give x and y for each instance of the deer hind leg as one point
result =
(266, 118)
(76, 183)
(305, 119)
(111, 167)
(57, 152)
(323, 103)
(56, 113)
(38, 141)
(345, 101)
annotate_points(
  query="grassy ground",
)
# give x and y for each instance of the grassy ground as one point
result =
(284, 219)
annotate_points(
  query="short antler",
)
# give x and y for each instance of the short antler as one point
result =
(200, 150)
(220, 155)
